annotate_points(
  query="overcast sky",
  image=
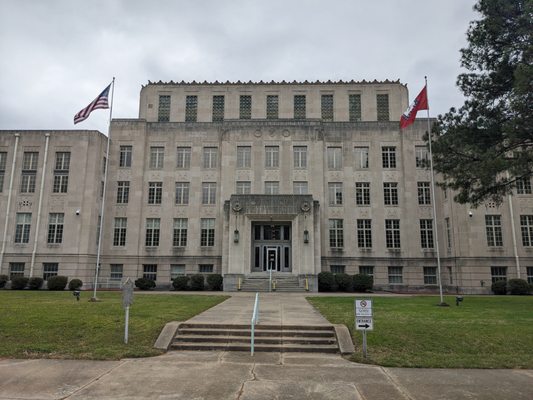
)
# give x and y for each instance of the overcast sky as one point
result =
(56, 56)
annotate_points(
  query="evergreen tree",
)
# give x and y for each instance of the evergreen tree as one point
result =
(485, 147)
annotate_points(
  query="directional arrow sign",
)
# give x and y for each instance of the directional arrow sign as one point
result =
(364, 324)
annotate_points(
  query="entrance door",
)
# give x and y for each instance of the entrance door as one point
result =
(271, 247)
(272, 259)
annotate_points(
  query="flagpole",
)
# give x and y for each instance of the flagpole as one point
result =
(442, 303)
(102, 204)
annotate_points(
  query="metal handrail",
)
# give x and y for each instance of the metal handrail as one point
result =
(255, 320)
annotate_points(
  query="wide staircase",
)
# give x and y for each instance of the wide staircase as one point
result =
(271, 338)
(281, 283)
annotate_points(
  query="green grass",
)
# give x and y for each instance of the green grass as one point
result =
(44, 324)
(483, 332)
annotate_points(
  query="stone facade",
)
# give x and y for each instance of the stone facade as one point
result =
(219, 177)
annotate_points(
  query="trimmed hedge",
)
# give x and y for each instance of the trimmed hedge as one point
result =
(35, 283)
(362, 283)
(214, 281)
(197, 282)
(181, 282)
(343, 282)
(57, 282)
(75, 284)
(326, 282)
(19, 282)
(145, 284)
(518, 287)
(499, 287)
(3, 280)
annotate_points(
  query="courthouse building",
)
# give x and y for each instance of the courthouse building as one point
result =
(237, 178)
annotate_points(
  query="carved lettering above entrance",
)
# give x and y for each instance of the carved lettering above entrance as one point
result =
(262, 204)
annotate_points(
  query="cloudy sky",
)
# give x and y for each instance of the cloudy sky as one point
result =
(56, 56)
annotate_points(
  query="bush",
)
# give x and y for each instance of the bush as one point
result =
(19, 282)
(518, 286)
(197, 282)
(75, 284)
(57, 282)
(3, 280)
(214, 281)
(145, 284)
(343, 282)
(181, 282)
(326, 282)
(499, 287)
(362, 283)
(35, 283)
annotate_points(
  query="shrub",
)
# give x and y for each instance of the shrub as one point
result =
(57, 282)
(197, 282)
(326, 282)
(214, 281)
(145, 284)
(3, 280)
(35, 283)
(343, 282)
(499, 287)
(362, 283)
(181, 282)
(75, 284)
(518, 286)
(19, 282)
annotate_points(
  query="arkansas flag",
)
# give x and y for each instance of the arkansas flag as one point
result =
(420, 103)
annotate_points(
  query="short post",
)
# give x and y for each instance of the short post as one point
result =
(127, 301)
(126, 325)
(364, 343)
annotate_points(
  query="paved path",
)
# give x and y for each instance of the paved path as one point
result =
(236, 375)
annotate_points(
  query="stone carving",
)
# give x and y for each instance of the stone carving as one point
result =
(258, 133)
(305, 207)
(286, 133)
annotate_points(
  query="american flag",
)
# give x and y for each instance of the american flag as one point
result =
(99, 102)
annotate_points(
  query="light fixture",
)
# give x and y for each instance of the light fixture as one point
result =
(236, 236)
(306, 236)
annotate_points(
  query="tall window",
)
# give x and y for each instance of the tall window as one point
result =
(366, 270)
(272, 104)
(157, 155)
(123, 192)
(337, 269)
(29, 172)
(300, 187)
(390, 193)
(388, 156)
(182, 192)
(382, 101)
(125, 156)
(119, 233)
(362, 193)
(210, 157)
(152, 232)
(430, 275)
(448, 233)
(421, 157)
(299, 106)
(498, 274)
(526, 226)
(155, 192)
(493, 227)
(271, 187)
(176, 270)
(116, 272)
(207, 234)
(426, 233)
(16, 270)
(272, 156)
(395, 275)
(61, 172)
(334, 158)
(392, 233)
(218, 108)
(335, 193)
(49, 270)
(529, 272)
(179, 238)
(300, 157)
(245, 107)
(3, 159)
(326, 103)
(243, 187)
(364, 233)
(183, 157)
(205, 268)
(244, 156)
(424, 193)
(354, 107)
(191, 108)
(55, 228)
(22, 229)
(163, 114)
(336, 233)
(523, 185)
(150, 271)
(361, 157)
(209, 192)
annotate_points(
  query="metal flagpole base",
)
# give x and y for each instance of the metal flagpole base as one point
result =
(94, 300)
(443, 304)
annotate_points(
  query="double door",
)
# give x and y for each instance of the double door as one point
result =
(271, 247)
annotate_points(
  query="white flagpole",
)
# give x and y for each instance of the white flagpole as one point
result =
(102, 205)
(434, 199)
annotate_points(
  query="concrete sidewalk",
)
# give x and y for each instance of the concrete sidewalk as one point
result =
(236, 375)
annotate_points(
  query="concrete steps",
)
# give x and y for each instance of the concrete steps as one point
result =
(261, 283)
(268, 338)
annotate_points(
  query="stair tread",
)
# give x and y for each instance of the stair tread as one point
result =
(247, 337)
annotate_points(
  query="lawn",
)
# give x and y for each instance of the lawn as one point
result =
(42, 324)
(483, 332)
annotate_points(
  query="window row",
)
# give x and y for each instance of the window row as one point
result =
(394, 274)
(327, 107)
(16, 269)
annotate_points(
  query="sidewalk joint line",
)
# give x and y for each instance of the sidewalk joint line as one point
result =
(396, 384)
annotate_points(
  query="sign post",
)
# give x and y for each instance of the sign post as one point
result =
(127, 301)
(363, 319)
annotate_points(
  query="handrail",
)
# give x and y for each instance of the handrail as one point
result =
(255, 320)
(270, 280)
